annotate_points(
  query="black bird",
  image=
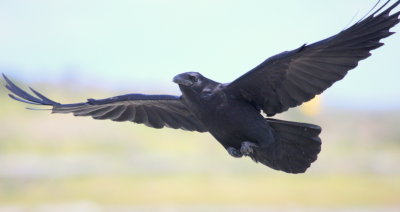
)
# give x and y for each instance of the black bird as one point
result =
(231, 112)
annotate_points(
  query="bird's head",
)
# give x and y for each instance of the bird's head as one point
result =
(194, 83)
(192, 80)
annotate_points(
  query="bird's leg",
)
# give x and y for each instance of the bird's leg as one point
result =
(247, 148)
(234, 152)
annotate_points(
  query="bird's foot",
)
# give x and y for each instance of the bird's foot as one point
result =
(247, 148)
(234, 152)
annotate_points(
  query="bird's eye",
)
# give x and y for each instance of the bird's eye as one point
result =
(192, 78)
(206, 93)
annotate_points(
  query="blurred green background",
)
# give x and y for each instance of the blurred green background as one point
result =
(60, 162)
(72, 50)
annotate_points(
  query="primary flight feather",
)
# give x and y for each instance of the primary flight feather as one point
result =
(231, 112)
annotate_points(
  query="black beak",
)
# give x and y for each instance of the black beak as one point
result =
(182, 79)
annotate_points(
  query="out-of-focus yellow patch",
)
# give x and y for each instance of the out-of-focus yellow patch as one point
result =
(312, 107)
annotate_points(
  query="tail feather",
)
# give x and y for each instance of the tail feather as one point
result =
(296, 146)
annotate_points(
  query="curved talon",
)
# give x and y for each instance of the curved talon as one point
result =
(234, 152)
(247, 148)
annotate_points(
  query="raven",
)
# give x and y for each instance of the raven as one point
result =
(231, 112)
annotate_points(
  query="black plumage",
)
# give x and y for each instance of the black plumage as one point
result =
(231, 112)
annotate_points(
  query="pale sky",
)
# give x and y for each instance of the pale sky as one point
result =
(140, 45)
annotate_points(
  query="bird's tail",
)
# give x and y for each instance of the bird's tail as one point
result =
(296, 146)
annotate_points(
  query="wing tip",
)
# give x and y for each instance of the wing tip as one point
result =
(387, 10)
(21, 95)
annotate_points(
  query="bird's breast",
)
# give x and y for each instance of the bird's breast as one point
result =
(224, 115)
(231, 116)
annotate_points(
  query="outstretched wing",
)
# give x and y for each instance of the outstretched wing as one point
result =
(288, 79)
(152, 110)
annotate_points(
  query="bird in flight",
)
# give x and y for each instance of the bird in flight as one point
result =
(232, 112)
